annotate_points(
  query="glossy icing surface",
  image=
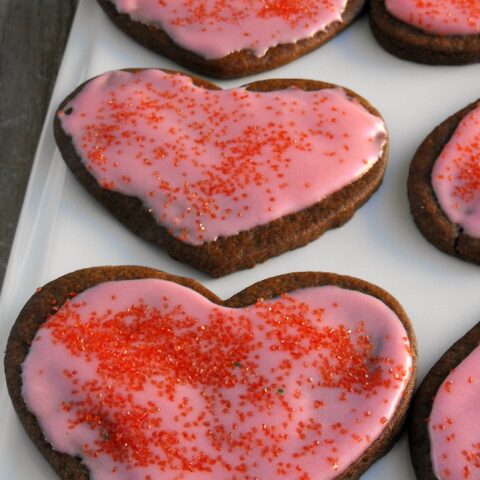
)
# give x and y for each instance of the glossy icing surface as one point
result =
(215, 28)
(211, 163)
(441, 17)
(454, 424)
(456, 175)
(144, 377)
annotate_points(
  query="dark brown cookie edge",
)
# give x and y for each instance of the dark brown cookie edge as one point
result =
(410, 43)
(236, 64)
(427, 214)
(250, 247)
(419, 440)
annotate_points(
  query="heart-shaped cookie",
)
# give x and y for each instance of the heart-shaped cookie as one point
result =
(444, 421)
(444, 185)
(235, 38)
(223, 179)
(128, 372)
(439, 32)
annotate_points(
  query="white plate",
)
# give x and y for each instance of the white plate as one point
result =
(62, 228)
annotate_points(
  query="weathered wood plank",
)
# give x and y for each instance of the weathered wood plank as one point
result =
(32, 39)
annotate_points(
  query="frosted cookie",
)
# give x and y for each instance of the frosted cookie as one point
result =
(438, 32)
(222, 179)
(128, 372)
(444, 185)
(235, 38)
(444, 421)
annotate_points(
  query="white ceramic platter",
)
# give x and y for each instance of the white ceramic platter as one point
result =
(62, 229)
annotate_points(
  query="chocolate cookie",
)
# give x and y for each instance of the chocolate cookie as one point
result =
(232, 39)
(440, 440)
(442, 32)
(222, 179)
(444, 188)
(134, 371)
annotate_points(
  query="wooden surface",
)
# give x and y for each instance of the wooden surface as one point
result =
(32, 39)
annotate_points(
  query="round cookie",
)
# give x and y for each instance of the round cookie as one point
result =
(415, 37)
(447, 217)
(444, 416)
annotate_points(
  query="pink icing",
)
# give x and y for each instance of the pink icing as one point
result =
(456, 175)
(454, 424)
(146, 376)
(210, 163)
(215, 28)
(441, 17)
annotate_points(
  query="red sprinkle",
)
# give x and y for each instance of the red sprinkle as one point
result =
(163, 349)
